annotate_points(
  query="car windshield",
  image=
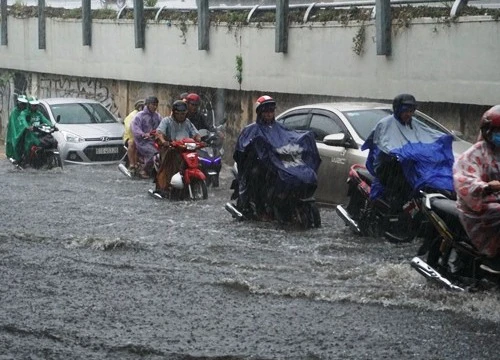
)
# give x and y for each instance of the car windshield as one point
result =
(363, 121)
(81, 113)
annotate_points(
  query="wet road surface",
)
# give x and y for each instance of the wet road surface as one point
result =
(94, 268)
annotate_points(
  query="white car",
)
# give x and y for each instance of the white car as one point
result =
(340, 129)
(88, 132)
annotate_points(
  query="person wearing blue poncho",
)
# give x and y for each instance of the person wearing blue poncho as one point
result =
(266, 149)
(406, 155)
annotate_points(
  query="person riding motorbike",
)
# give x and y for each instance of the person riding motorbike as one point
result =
(128, 136)
(13, 145)
(406, 156)
(174, 127)
(28, 118)
(143, 126)
(267, 161)
(476, 176)
(197, 118)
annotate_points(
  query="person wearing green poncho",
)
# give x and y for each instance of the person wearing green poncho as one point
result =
(27, 119)
(13, 144)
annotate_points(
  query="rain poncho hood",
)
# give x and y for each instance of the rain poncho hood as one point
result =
(292, 154)
(425, 154)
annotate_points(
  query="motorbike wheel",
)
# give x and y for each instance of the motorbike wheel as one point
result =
(199, 189)
(215, 180)
(315, 217)
(54, 160)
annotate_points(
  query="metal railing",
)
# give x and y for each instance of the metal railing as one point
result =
(456, 6)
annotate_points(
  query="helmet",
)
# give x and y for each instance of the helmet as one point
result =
(265, 101)
(179, 105)
(22, 99)
(138, 104)
(490, 120)
(403, 102)
(32, 100)
(193, 99)
(151, 100)
(176, 181)
(183, 96)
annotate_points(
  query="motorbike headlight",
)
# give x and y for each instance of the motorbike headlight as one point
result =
(70, 137)
(191, 146)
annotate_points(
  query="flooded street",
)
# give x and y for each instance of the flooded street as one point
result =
(92, 267)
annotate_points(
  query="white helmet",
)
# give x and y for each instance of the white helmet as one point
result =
(176, 181)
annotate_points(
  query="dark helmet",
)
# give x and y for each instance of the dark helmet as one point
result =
(193, 99)
(183, 96)
(489, 121)
(179, 105)
(139, 104)
(265, 101)
(151, 100)
(402, 102)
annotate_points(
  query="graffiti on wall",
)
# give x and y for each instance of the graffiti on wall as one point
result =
(11, 85)
(64, 86)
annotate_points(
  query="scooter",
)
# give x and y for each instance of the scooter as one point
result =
(377, 217)
(46, 154)
(189, 181)
(124, 164)
(268, 202)
(211, 155)
(450, 255)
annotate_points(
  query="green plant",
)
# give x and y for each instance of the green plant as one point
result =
(359, 40)
(150, 3)
(239, 69)
(182, 26)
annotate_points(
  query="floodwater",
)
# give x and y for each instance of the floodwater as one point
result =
(92, 267)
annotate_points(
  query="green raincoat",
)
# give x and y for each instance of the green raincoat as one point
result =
(26, 119)
(13, 145)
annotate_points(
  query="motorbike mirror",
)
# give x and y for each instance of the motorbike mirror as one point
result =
(337, 139)
(204, 132)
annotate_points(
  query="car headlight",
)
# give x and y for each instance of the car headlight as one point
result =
(70, 137)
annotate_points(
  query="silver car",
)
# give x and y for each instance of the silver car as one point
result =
(340, 129)
(88, 132)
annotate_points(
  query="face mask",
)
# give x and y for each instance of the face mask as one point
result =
(495, 139)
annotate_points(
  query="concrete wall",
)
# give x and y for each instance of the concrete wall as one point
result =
(450, 67)
(455, 63)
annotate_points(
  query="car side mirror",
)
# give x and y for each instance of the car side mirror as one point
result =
(58, 118)
(338, 139)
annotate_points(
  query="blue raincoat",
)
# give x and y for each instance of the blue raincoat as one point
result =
(425, 154)
(293, 155)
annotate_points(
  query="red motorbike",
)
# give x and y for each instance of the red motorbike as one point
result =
(189, 181)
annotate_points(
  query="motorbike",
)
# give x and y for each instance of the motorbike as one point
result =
(211, 155)
(189, 181)
(379, 217)
(124, 164)
(46, 154)
(269, 202)
(450, 255)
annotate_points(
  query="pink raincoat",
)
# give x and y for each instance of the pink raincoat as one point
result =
(479, 210)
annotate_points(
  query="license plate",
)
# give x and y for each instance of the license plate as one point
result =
(106, 150)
